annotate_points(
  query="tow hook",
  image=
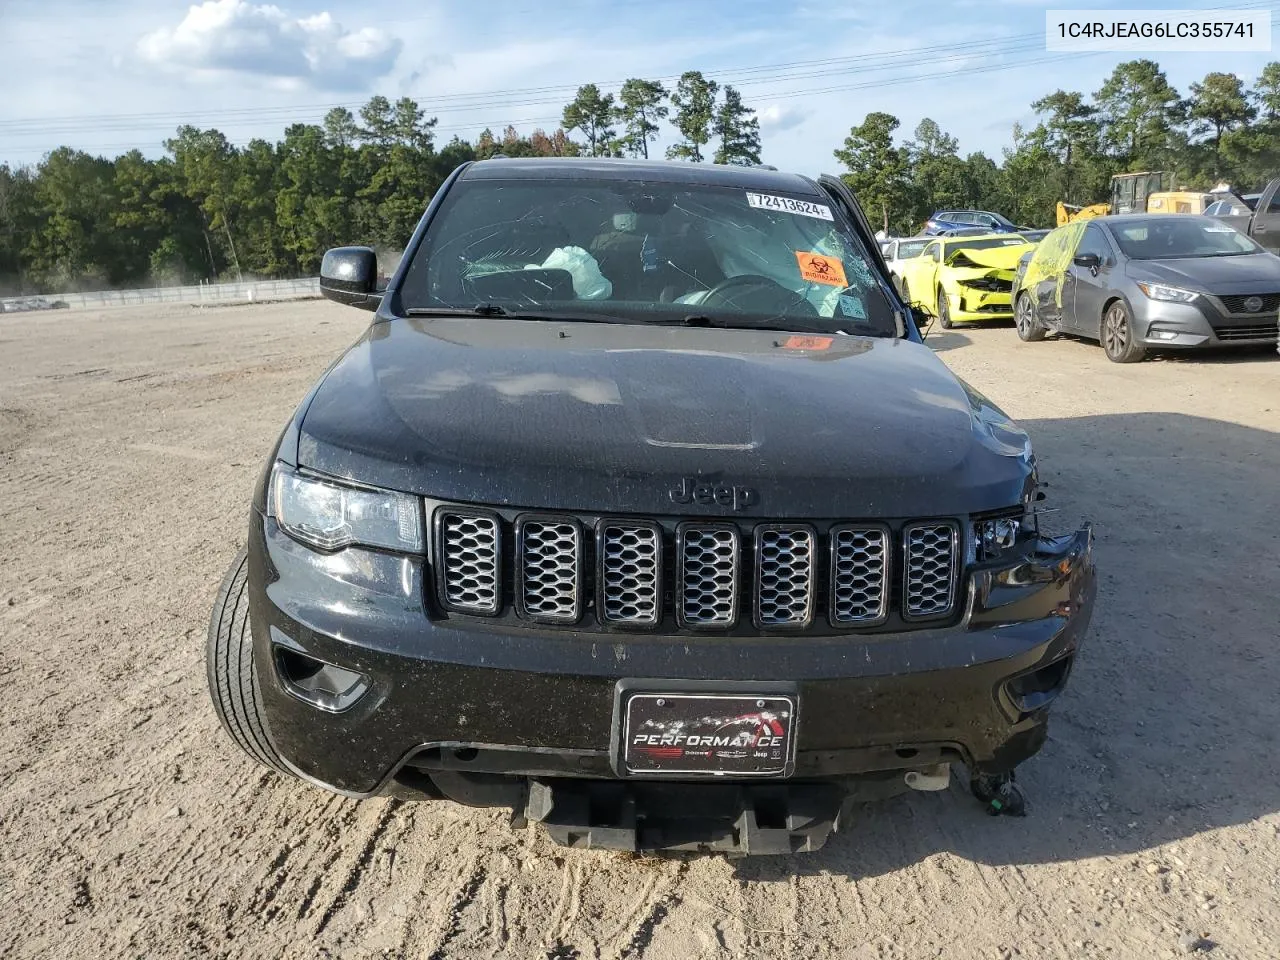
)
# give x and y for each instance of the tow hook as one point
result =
(936, 777)
(999, 793)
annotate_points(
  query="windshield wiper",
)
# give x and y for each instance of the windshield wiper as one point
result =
(750, 323)
(497, 310)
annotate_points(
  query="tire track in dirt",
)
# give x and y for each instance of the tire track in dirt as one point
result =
(463, 898)
(358, 867)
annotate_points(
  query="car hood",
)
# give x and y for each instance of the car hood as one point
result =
(612, 417)
(1251, 273)
(990, 258)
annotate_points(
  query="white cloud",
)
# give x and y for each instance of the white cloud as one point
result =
(235, 36)
(777, 117)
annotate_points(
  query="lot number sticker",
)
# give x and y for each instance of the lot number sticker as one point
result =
(804, 208)
(815, 268)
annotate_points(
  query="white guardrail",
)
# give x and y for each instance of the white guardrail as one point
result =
(245, 292)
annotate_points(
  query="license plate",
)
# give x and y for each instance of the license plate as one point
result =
(706, 734)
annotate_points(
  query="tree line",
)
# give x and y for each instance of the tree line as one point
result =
(209, 209)
(1224, 130)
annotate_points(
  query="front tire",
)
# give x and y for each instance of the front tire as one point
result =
(944, 310)
(1030, 329)
(1117, 335)
(229, 662)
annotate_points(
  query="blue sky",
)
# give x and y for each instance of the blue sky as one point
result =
(109, 75)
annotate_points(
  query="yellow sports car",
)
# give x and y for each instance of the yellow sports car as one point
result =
(959, 279)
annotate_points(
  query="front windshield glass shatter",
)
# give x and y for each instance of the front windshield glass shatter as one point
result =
(1180, 236)
(645, 251)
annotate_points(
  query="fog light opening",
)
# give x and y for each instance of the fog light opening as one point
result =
(323, 685)
(1035, 690)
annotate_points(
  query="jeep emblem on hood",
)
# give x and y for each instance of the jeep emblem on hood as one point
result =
(692, 490)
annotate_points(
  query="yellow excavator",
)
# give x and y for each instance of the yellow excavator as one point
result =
(1139, 193)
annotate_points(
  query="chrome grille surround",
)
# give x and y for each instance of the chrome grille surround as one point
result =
(630, 578)
(548, 569)
(859, 589)
(469, 552)
(931, 552)
(786, 575)
(708, 556)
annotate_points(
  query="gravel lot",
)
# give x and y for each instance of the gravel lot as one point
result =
(130, 827)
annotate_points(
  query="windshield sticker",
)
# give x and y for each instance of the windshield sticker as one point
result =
(852, 307)
(805, 208)
(808, 343)
(815, 268)
(1219, 229)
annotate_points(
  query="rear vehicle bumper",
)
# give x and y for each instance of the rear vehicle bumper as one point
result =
(480, 708)
(1185, 325)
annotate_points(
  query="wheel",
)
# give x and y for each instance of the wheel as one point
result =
(906, 292)
(1117, 335)
(1024, 317)
(944, 311)
(229, 661)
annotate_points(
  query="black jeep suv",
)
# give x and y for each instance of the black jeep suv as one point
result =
(641, 508)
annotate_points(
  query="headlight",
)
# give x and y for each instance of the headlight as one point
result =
(330, 516)
(1160, 291)
(996, 536)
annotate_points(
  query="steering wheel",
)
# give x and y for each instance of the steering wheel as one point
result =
(765, 294)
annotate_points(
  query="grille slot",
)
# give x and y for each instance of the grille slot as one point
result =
(630, 574)
(708, 575)
(1249, 331)
(784, 576)
(859, 574)
(930, 570)
(549, 553)
(469, 549)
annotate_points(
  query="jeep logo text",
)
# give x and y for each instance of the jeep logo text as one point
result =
(692, 490)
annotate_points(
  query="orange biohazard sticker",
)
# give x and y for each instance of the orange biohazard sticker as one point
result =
(815, 268)
(808, 343)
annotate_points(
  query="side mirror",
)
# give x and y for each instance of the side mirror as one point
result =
(350, 275)
(1090, 261)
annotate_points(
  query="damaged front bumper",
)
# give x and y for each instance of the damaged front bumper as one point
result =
(490, 715)
(986, 296)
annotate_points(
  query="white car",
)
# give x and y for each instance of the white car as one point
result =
(903, 248)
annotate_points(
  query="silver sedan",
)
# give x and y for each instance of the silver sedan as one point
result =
(1140, 281)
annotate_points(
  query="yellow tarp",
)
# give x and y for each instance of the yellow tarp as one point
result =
(1053, 257)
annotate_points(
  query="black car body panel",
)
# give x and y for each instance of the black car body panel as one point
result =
(590, 416)
(370, 679)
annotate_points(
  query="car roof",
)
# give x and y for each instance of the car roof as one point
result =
(667, 171)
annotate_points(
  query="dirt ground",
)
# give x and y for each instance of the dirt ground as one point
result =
(130, 827)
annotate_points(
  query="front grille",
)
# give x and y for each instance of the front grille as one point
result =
(931, 555)
(708, 576)
(548, 583)
(630, 574)
(470, 547)
(784, 576)
(1236, 303)
(1249, 331)
(859, 574)
(739, 576)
